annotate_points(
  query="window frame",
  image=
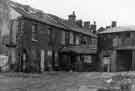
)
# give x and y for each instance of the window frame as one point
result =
(34, 31)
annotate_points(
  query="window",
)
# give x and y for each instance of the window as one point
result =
(51, 36)
(48, 31)
(83, 40)
(71, 38)
(34, 31)
(93, 43)
(89, 40)
(21, 25)
(115, 41)
(34, 53)
(56, 59)
(77, 40)
(67, 37)
(88, 59)
(14, 30)
(49, 52)
(127, 34)
(63, 37)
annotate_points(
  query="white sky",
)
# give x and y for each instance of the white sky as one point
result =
(102, 11)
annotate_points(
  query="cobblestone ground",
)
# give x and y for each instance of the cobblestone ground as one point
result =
(53, 81)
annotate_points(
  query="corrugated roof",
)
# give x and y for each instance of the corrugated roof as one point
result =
(118, 29)
(49, 19)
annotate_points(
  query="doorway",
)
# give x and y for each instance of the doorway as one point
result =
(124, 60)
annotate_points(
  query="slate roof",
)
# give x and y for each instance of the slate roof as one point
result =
(73, 27)
(34, 14)
(119, 29)
(49, 19)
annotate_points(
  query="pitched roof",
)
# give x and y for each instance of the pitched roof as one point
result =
(49, 19)
(34, 14)
(118, 29)
(72, 27)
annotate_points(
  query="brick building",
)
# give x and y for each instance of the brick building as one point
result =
(116, 48)
(38, 41)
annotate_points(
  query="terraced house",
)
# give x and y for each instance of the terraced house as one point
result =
(37, 41)
(116, 48)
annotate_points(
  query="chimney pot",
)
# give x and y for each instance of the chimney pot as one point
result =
(94, 22)
(93, 27)
(79, 23)
(72, 17)
(114, 24)
(87, 24)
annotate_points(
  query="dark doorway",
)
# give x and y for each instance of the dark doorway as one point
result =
(124, 60)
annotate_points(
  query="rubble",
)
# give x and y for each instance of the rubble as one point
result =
(121, 81)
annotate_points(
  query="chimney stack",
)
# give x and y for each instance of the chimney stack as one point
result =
(114, 24)
(79, 23)
(87, 24)
(72, 17)
(107, 27)
(93, 27)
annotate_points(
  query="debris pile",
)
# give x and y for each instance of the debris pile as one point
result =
(120, 82)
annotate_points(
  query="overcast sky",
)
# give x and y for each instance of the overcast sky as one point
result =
(102, 11)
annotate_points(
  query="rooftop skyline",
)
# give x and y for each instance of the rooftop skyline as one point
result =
(101, 11)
